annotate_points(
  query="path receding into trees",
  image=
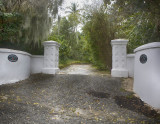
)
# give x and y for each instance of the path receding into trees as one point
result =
(78, 69)
(81, 69)
(78, 95)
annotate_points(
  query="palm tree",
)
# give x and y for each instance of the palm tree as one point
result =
(74, 12)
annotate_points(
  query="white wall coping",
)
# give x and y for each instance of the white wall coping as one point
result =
(37, 56)
(51, 43)
(148, 46)
(3, 50)
(130, 55)
(119, 41)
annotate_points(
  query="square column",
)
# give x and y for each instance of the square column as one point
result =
(119, 58)
(51, 57)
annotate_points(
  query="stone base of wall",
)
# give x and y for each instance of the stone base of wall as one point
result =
(119, 73)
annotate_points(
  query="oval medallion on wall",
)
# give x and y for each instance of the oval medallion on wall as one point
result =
(12, 58)
(143, 58)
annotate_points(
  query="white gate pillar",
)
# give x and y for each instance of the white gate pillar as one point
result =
(119, 58)
(51, 57)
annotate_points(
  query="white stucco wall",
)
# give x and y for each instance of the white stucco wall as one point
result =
(130, 65)
(27, 64)
(147, 75)
(36, 64)
(11, 72)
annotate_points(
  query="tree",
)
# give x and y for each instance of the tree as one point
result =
(99, 31)
(35, 19)
(74, 17)
(138, 20)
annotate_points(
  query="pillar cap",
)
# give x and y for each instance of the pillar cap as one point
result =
(130, 55)
(119, 41)
(51, 43)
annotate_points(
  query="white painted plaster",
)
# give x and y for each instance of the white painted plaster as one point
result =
(147, 76)
(51, 57)
(11, 72)
(119, 61)
(130, 65)
(37, 64)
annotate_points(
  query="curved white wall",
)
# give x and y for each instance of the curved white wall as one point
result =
(147, 73)
(11, 72)
(27, 64)
(130, 65)
(36, 64)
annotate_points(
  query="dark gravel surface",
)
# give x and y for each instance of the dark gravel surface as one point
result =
(71, 99)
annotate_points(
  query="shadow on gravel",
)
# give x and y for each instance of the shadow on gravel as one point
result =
(137, 105)
(41, 77)
(98, 94)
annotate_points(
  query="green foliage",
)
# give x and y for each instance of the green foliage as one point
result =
(26, 22)
(64, 49)
(138, 32)
(74, 18)
(99, 32)
(10, 23)
(64, 33)
(61, 33)
(138, 21)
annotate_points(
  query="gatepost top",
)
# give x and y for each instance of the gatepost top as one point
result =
(51, 43)
(119, 41)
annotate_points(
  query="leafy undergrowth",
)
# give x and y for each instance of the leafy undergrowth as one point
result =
(137, 105)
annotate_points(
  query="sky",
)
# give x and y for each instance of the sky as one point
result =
(67, 3)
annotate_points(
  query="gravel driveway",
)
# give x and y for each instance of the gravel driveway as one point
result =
(71, 99)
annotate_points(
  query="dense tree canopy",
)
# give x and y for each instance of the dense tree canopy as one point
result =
(138, 20)
(27, 21)
(99, 32)
(66, 33)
